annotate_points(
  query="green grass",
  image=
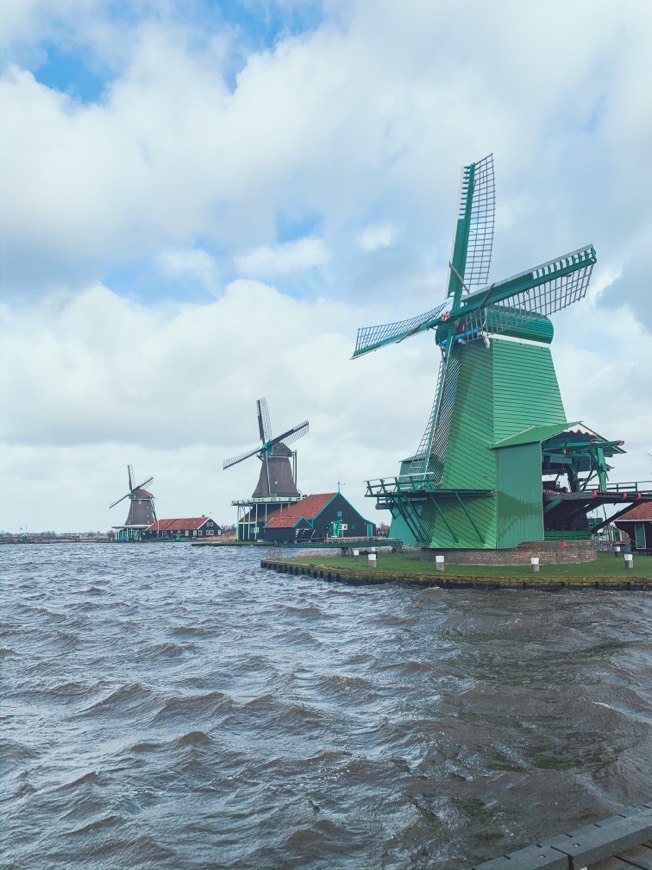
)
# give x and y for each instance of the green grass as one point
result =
(606, 565)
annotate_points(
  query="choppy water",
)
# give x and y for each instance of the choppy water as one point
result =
(176, 707)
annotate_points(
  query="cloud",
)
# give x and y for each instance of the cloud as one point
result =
(275, 260)
(191, 264)
(378, 236)
(358, 121)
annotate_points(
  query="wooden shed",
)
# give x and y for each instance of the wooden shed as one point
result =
(637, 523)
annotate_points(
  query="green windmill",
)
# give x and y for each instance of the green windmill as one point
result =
(497, 425)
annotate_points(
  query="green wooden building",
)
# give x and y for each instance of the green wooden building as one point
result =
(499, 464)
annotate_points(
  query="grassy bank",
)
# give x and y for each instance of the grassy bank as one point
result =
(409, 564)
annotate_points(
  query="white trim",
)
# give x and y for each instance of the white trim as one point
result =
(495, 336)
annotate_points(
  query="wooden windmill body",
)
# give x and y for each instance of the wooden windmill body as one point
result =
(497, 442)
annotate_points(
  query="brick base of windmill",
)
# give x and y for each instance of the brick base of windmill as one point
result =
(548, 553)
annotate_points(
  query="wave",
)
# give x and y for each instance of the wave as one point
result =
(193, 706)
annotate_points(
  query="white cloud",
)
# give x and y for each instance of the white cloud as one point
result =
(378, 236)
(194, 264)
(275, 260)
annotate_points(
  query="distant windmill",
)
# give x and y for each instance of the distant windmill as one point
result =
(278, 475)
(141, 507)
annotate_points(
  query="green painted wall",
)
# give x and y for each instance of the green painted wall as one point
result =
(398, 529)
(520, 510)
(525, 388)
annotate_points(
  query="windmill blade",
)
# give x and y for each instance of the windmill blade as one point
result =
(546, 289)
(126, 495)
(435, 438)
(372, 337)
(235, 459)
(130, 473)
(264, 421)
(292, 434)
(474, 230)
(482, 220)
(141, 485)
(266, 464)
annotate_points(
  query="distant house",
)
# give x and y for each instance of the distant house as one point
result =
(637, 523)
(182, 529)
(316, 517)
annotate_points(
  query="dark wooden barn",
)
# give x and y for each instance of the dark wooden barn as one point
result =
(182, 529)
(637, 523)
(316, 517)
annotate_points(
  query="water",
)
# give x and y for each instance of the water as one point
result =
(169, 706)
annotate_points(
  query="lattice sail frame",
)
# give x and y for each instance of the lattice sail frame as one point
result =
(264, 420)
(371, 337)
(482, 220)
(561, 291)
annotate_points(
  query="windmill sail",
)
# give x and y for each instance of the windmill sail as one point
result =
(372, 337)
(482, 220)
(293, 434)
(419, 463)
(227, 463)
(555, 286)
(264, 420)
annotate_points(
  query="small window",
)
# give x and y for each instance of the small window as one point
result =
(339, 513)
(209, 532)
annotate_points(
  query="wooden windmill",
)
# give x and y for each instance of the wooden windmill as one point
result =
(278, 473)
(141, 508)
(475, 480)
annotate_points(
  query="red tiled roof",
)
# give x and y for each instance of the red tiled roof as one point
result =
(308, 507)
(639, 513)
(178, 525)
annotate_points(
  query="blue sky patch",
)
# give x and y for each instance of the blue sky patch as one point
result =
(70, 73)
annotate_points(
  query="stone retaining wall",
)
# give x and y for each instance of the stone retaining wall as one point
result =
(549, 553)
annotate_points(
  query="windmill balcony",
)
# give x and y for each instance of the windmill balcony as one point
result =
(408, 484)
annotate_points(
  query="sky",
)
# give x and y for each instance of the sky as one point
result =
(203, 201)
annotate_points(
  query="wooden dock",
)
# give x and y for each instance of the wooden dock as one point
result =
(345, 545)
(621, 842)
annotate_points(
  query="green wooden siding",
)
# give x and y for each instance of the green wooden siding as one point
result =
(520, 512)
(525, 388)
(469, 462)
(399, 529)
